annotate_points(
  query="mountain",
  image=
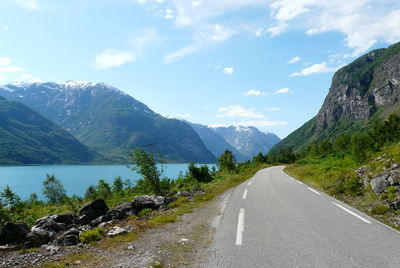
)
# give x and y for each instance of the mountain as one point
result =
(110, 121)
(249, 141)
(26, 137)
(215, 143)
(362, 92)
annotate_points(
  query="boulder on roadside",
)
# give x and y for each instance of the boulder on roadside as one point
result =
(149, 201)
(38, 236)
(380, 183)
(68, 238)
(50, 223)
(13, 232)
(116, 230)
(94, 209)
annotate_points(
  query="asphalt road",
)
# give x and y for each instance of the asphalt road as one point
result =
(273, 220)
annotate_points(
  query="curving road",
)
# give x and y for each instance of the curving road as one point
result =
(273, 220)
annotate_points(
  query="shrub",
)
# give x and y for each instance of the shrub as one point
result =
(145, 212)
(93, 235)
(380, 209)
(200, 174)
(226, 161)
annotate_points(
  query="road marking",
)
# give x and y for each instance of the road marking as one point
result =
(299, 182)
(250, 182)
(351, 212)
(240, 228)
(245, 194)
(311, 189)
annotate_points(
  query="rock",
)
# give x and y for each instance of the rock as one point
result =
(50, 224)
(149, 201)
(122, 211)
(67, 218)
(184, 194)
(362, 171)
(94, 209)
(116, 230)
(38, 236)
(394, 205)
(83, 220)
(380, 158)
(53, 249)
(394, 166)
(13, 232)
(379, 184)
(98, 221)
(69, 238)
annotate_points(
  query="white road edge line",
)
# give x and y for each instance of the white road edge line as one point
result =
(240, 228)
(245, 194)
(312, 190)
(250, 182)
(351, 212)
(299, 182)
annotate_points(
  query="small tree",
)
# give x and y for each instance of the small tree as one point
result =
(146, 165)
(8, 198)
(91, 192)
(53, 190)
(200, 174)
(118, 185)
(103, 189)
(226, 161)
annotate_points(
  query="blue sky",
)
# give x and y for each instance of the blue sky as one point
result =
(266, 63)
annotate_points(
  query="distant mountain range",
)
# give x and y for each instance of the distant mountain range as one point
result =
(110, 121)
(244, 142)
(26, 137)
(362, 92)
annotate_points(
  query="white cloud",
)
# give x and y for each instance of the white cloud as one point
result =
(11, 69)
(179, 53)
(283, 91)
(229, 70)
(4, 61)
(294, 60)
(169, 14)
(254, 92)
(278, 29)
(5, 28)
(362, 22)
(209, 35)
(274, 109)
(141, 2)
(316, 68)
(196, 3)
(113, 58)
(260, 32)
(238, 111)
(28, 4)
(27, 78)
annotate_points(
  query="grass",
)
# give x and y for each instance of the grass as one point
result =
(91, 236)
(337, 177)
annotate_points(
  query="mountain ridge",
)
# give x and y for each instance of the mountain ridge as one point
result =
(109, 120)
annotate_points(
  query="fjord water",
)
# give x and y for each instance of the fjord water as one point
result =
(25, 180)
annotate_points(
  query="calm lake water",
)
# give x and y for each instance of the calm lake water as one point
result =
(25, 180)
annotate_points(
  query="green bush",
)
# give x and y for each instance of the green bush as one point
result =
(91, 236)
(380, 210)
(145, 212)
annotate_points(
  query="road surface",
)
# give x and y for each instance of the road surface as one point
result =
(273, 220)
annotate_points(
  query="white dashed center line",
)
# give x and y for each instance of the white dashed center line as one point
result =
(312, 190)
(245, 194)
(240, 228)
(351, 212)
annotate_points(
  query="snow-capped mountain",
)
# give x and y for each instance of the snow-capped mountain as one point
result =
(109, 120)
(249, 141)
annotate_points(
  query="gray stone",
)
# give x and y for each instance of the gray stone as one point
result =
(379, 184)
(69, 238)
(116, 230)
(38, 236)
(149, 201)
(94, 209)
(13, 232)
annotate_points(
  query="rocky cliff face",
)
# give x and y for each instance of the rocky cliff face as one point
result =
(366, 89)
(360, 89)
